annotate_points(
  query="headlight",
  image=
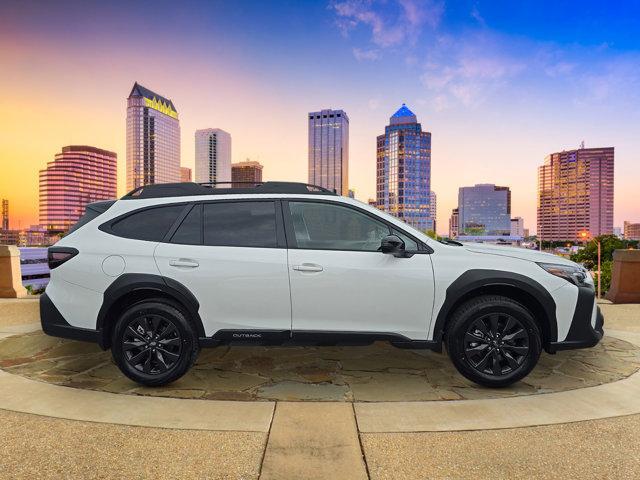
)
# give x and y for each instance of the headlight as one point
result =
(576, 275)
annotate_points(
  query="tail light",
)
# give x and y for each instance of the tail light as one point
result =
(58, 255)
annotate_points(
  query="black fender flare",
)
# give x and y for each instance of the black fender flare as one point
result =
(479, 279)
(130, 282)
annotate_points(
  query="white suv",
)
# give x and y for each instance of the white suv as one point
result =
(170, 268)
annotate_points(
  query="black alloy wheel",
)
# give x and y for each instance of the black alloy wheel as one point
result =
(154, 343)
(496, 344)
(493, 340)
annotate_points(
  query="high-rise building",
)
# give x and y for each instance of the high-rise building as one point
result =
(244, 173)
(5, 214)
(329, 150)
(433, 206)
(213, 156)
(484, 210)
(403, 174)
(185, 174)
(575, 194)
(77, 176)
(631, 231)
(453, 223)
(517, 227)
(153, 139)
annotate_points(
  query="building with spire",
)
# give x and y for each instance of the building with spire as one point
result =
(329, 150)
(153, 139)
(403, 174)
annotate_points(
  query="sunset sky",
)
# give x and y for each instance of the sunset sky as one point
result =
(499, 84)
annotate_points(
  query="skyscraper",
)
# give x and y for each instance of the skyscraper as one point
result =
(77, 176)
(213, 156)
(403, 186)
(329, 150)
(631, 231)
(575, 194)
(5, 214)
(153, 139)
(433, 207)
(243, 173)
(484, 210)
(517, 227)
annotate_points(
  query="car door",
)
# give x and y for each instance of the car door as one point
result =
(340, 282)
(232, 256)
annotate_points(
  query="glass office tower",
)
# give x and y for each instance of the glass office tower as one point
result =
(153, 139)
(213, 156)
(484, 210)
(329, 150)
(403, 186)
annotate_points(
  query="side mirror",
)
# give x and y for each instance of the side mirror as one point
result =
(394, 245)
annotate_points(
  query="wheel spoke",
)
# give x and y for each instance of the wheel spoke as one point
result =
(172, 356)
(161, 363)
(483, 363)
(135, 333)
(147, 364)
(481, 326)
(136, 359)
(513, 363)
(169, 329)
(472, 337)
(493, 320)
(520, 333)
(508, 325)
(496, 368)
(169, 342)
(130, 345)
(477, 349)
(516, 349)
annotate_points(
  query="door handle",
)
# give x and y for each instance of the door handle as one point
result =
(308, 267)
(184, 263)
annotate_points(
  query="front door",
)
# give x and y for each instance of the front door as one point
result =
(232, 257)
(340, 282)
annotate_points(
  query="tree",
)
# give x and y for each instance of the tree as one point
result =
(588, 256)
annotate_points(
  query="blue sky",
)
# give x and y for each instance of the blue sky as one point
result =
(500, 84)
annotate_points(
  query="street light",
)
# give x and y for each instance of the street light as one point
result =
(585, 235)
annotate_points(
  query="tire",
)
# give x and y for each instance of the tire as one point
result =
(493, 341)
(154, 343)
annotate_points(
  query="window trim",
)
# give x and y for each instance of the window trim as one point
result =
(107, 226)
(423, 248)
(280, 234)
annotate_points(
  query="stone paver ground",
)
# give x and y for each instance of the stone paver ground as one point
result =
(375, 373)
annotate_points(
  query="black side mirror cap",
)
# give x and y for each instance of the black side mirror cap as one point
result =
(394, 245)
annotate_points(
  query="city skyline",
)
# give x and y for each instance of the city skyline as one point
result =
(495, 94)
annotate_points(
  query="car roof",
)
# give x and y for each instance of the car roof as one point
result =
(190, 189)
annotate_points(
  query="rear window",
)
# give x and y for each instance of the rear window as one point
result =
(151, 224)
(190, 230)
(240, 224)
(92, 211)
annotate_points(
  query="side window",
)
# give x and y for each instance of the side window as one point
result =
(151, 224)
(240, 224)
(190, 230)
(409, 243)
(324, 226)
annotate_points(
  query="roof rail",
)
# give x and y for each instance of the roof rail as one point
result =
(162, 190)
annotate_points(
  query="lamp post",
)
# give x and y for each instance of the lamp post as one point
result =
(585, 236)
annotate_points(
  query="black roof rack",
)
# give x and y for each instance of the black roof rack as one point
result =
(187, 189)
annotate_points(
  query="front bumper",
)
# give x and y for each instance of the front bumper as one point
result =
(54, 324)
(584, 331)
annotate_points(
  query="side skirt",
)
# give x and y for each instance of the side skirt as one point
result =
(313, 338)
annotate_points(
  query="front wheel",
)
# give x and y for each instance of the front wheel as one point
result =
(493, 341)
(154, 343)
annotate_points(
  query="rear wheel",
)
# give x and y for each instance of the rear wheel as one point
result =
(154, 343)
(493, 341)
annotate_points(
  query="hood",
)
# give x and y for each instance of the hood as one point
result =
(517, 252)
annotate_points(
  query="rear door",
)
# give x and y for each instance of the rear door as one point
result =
(232, 256)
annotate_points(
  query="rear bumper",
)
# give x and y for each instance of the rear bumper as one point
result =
(585, 331)
(54, 324)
